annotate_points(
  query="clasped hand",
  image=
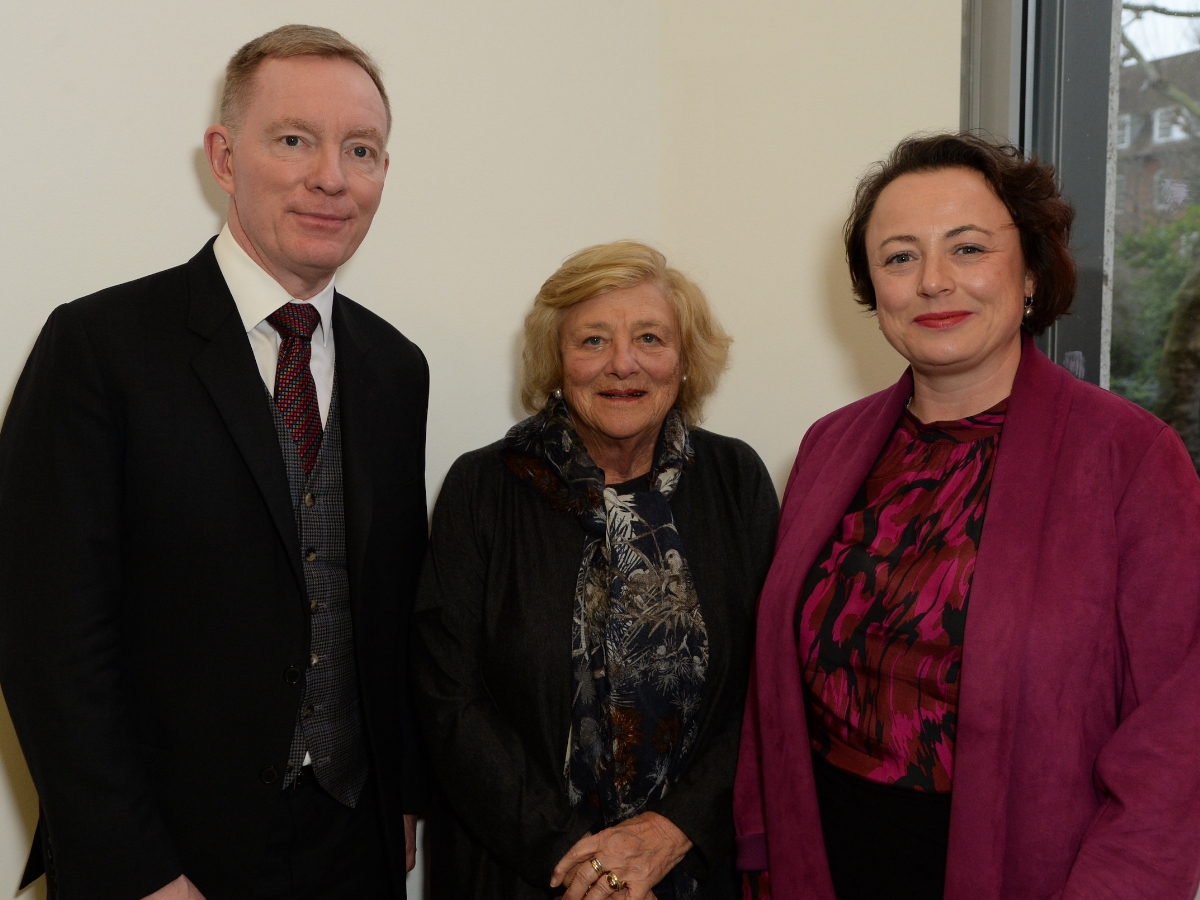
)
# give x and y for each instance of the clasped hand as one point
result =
(639, 852)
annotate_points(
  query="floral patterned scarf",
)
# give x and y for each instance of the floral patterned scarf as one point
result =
(639, 647)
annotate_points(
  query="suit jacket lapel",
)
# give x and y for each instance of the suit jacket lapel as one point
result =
(1003, 590)
(360, 392)
(226, 367)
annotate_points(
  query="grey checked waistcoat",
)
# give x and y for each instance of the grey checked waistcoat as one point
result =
(329, 723)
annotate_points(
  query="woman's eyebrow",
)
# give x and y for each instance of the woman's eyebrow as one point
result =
(962, 229)
(952, 233)
(899, 238)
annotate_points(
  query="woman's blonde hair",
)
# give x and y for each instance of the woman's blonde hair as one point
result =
(607, 267)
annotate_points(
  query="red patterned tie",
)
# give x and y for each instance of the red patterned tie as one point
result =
(295, 390)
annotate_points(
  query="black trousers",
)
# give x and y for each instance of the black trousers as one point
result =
(319, 849)
(881, 841)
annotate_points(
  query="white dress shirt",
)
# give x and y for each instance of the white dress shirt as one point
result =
(257, 295)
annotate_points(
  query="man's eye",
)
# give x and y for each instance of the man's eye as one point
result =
(291, 141)
(361, 152)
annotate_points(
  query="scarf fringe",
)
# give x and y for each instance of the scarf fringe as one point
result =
(756, 885)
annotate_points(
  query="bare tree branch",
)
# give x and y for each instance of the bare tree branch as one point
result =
(1157, 81)
(1140, 8)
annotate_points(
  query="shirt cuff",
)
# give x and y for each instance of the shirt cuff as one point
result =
(752, 852)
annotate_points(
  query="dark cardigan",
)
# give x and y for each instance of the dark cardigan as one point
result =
(493, 667)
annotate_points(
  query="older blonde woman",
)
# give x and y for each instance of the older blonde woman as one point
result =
(586, 610)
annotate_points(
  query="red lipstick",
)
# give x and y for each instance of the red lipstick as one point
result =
(941, 320)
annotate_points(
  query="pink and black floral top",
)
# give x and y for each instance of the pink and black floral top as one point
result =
(882, 613)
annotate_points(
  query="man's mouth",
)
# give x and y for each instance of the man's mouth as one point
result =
(321, 218)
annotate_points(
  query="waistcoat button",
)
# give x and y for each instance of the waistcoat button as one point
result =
(269, 775)
(291, 675)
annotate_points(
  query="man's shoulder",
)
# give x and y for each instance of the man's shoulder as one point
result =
(165, 292)
(131, 295)
(371, 331)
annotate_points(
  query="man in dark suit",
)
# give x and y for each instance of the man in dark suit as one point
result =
(212, 515)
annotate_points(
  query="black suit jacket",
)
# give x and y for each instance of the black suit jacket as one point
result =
(151, 593)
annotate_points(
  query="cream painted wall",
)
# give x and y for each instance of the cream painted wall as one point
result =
(771, 111)
(728, 134)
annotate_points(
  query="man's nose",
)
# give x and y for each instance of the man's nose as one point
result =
(328, 172)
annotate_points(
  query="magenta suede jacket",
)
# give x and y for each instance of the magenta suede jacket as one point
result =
(1077, 768)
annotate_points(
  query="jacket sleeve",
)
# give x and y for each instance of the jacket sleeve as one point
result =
(414, 770)
(61, 459)
(749, 817)
(749, 813)
(1145, 839)
(510, 803)
(700, 801)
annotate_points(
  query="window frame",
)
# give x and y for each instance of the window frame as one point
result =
(1052, 62)
(1124, 136)
(1176, 130)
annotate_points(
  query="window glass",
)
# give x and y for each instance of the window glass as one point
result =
(1156, 271)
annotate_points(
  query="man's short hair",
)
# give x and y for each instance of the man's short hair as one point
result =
(283, 43)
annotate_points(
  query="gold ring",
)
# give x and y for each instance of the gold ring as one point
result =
(596, 865)
(614, 882)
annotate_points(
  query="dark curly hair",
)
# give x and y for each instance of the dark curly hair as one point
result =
(1025, 186)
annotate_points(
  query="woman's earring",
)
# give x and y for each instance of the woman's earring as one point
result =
(1028, 307)
(683, 380)
(556, 393)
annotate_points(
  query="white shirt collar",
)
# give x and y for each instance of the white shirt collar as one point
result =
(256, 293)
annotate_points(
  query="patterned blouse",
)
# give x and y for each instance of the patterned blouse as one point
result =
(882, 613)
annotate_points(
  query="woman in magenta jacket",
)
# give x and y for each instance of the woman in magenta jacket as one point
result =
(978, 663)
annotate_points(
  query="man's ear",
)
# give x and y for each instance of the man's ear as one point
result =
(218, 147)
